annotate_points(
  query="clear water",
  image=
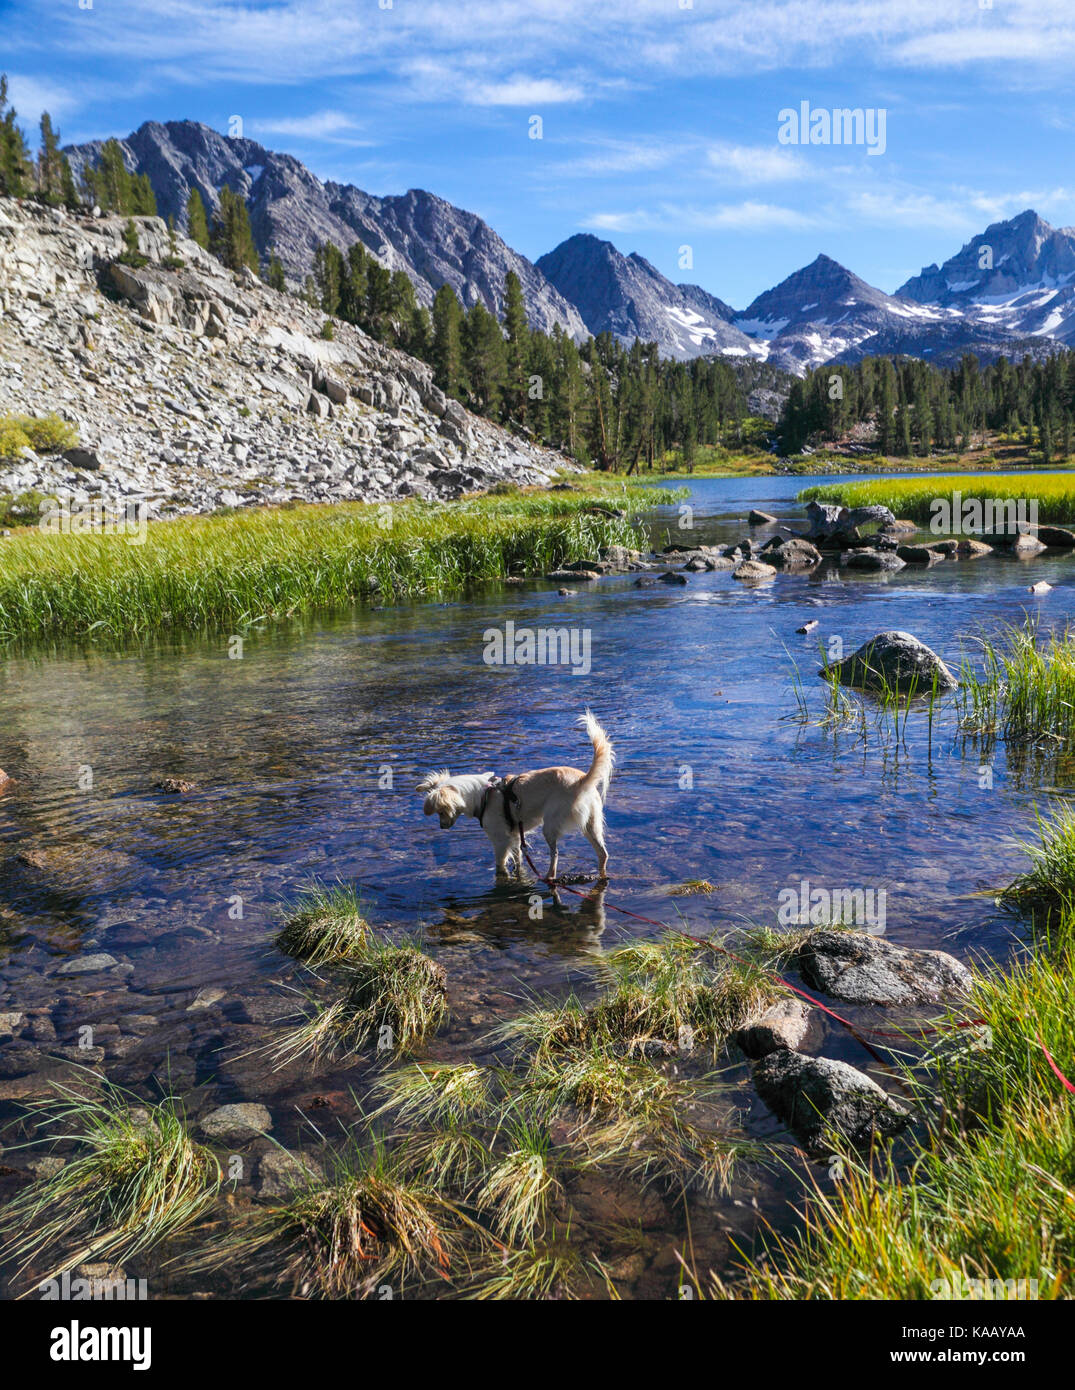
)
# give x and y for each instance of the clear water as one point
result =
(306, 751)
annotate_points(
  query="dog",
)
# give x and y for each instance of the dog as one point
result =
(559, 799)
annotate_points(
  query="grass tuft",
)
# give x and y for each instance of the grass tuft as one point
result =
(324, 924)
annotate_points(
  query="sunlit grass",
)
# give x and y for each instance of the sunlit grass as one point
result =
(915, 499)
(136, 1181)
(233, 570)
(323, 924)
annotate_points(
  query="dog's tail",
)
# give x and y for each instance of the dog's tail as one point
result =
(600, 773)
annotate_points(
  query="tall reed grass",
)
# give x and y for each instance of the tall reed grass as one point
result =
(914, 498)
(232, 570)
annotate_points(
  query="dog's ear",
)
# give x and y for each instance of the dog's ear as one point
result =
(432, 780)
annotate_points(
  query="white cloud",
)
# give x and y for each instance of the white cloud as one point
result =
(741, 217)
(524, 91)
(320, 125)
(30, 96)
(757, 163)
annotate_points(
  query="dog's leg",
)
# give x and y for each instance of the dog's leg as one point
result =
(550, 840)
(595, 833)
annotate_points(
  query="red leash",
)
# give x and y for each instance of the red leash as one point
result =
(775, 975)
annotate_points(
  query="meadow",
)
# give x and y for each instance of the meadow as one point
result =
(237, 568)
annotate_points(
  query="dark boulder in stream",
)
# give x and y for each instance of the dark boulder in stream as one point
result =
(896, 661)
(817, 1097)
(865, 969)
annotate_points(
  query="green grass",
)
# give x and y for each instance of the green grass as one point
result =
(1047, 888)
(395, 997)
(323, 924)
(230, 571)
(669, 994)
(914, 500)
(1026, 690)
(136, 1181)
(989, 1191)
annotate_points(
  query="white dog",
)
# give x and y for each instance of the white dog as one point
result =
(559, 799)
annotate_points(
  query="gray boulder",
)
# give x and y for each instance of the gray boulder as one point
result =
(817, 1097)
(793, 553)
(897, 660)
(870, 559)
(783, 1024)
(866, 969)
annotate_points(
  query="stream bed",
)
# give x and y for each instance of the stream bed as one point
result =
(305, 751)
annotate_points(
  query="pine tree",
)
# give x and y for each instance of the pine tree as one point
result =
(15, 170)
(68, 191)
(108, 182)
(49, 171)
(484, 360)
(446, 350)
(517, 333)
(197, 221)
(274, 275)
(231, 239)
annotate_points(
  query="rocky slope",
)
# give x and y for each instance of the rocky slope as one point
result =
(292, 211)
(629, 298)
(196, 388)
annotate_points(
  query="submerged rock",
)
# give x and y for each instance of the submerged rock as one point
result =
(243, 1120)
(816, 1097)
(280, 1172)
(920, 555)
(866, 969)
(896, 660)
(870, 559)
(756, 518)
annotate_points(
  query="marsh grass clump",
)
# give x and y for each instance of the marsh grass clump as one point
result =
(1047, 888)
(658, 996)
(1026, 690)
(375, 1222)
(691, 888)
(547, 1270)
(136, 1181)
(323, 924)
(638, 1121)
(395, 997)
(524, 1175)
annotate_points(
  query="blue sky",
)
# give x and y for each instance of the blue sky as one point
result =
(659, 117)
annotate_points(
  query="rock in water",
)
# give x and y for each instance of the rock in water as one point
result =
(753, 572)
(783, 1024)
(816, 1096)
(756, 518)
(868, 970)
(793, 553)
(244, 1120)
(893, 660)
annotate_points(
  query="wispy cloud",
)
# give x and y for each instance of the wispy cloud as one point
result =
(757, 163)
(334, 126)
(746, 216)
(524, 91)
